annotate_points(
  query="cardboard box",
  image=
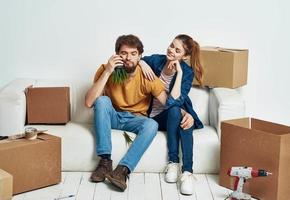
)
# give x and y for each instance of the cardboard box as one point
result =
(32, 163)
(48, 105)
(261, 145)
(224, 67)
(6, 183)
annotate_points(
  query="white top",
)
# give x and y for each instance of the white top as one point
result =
(157, 107)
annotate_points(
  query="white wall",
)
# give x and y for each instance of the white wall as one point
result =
(70, 38)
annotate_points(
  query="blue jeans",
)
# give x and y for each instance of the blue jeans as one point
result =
(169, 120)
(107, 118)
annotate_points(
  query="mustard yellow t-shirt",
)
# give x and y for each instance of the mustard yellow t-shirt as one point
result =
(134, 95)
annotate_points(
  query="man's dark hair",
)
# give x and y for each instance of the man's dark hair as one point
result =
(129, 40)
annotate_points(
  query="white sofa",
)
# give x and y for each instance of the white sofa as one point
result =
(78, 141)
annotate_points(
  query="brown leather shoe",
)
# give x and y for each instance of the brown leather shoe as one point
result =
(104, 167)
(118, 177)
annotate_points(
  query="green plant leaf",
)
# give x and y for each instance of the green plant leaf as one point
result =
(119, 76)
(128, 138)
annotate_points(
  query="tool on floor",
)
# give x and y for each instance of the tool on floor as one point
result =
(64, 197)
(241, 174)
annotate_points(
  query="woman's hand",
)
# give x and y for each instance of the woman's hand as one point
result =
(147, 71)
(175, 65)
(187, 120)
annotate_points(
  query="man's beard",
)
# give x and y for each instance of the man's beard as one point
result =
(130, 70)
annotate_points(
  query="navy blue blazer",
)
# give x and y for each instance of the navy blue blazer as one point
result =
(157, 62)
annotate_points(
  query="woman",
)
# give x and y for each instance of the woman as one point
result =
(170, 68)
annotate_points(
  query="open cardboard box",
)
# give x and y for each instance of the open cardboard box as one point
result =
(32, 163)
(261, 145)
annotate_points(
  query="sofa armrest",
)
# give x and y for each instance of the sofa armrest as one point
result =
(224, 104)
(13, 106)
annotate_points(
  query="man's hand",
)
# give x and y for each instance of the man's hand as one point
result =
(113, 62)
(187, 120)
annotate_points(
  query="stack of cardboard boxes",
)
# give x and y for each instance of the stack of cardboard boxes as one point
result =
(248, 142)
(32, 163)
(35, 163)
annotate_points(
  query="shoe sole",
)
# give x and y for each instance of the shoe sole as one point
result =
(97, 180)
(171, 180)
(116, 183)
(184, 193)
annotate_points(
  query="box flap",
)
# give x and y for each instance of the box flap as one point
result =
(242, 122)
(6, 182)
(221, 49)
(270, 127)
(4, 174)
(260, 125)
(44, 136)
(7, 144)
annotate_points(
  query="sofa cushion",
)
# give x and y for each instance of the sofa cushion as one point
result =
(78, 149)
(200, 102)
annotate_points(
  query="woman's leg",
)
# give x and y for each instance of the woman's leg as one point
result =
(169, 120)
(170, 125)
(187, 182)
(173, 126)
(186, 137)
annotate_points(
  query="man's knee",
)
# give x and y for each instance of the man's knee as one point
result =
(151, 126)
(102, 102)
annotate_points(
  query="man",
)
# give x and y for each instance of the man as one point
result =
(124, 107)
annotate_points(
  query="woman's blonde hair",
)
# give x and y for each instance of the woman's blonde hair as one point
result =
(192, 49)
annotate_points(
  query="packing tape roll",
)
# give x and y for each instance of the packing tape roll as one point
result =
(31, 136)
(31, 133)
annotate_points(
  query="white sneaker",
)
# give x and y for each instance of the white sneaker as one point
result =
(187, 183)
(171, 172)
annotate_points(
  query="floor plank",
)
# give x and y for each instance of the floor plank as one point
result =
(86, 189)
(169, 191)
(46, 193)
(71, 184)
(152, 186)
(202, 188)
(18, 197)
(136, 187)
(219, 192)
(102, 191)
(141, 186)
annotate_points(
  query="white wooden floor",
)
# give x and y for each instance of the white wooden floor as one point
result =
(142, 186)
